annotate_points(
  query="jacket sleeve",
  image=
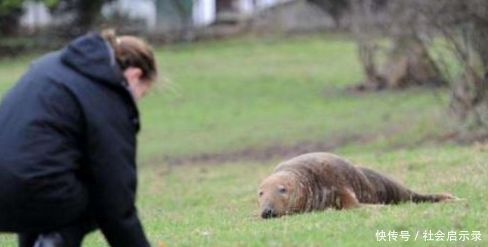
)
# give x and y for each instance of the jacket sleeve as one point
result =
(110, 161)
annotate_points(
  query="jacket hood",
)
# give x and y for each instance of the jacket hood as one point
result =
(92, 56)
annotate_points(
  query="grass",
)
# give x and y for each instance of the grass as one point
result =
(235, 94)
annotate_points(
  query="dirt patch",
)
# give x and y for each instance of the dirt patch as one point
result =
(277, 151)
(283, 152)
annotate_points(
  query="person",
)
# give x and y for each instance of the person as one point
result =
(68, 143)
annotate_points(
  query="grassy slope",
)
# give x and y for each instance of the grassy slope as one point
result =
(280, 91)
(234, 94)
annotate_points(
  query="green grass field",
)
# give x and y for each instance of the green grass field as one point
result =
(253, 94)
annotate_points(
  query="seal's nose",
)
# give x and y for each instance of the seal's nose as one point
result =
(268, 213)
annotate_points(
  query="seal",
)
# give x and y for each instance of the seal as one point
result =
(317, 181)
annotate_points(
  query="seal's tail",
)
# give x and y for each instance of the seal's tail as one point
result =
(418, 198)
(388, 191)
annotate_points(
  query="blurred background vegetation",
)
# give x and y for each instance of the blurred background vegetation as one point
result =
(400, 44)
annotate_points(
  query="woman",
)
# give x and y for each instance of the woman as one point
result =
(68, 142)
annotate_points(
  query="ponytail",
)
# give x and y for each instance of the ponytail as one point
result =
(130, 51)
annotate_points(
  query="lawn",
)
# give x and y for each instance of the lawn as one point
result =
(223, 97)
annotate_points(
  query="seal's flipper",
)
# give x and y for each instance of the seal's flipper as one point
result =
(347, 199)
(445, 197)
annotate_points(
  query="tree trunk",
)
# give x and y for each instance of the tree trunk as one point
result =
(373, 79)
(9, 22)
(87, 13)
(469, 100)
(364, 30)
(410, 64)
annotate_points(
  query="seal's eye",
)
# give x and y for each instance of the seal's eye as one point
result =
(282, 190)
(261, 193)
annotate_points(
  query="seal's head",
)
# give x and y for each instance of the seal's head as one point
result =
(278, 195)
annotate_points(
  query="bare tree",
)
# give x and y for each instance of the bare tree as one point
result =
(464, 26)
(407, 60)
(416, 28)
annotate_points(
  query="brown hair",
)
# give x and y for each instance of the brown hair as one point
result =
(130, 51)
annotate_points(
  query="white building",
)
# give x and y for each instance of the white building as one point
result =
(35, 15)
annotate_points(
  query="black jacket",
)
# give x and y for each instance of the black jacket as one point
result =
(68, 128)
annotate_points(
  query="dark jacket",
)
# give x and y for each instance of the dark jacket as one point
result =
(68, 133)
